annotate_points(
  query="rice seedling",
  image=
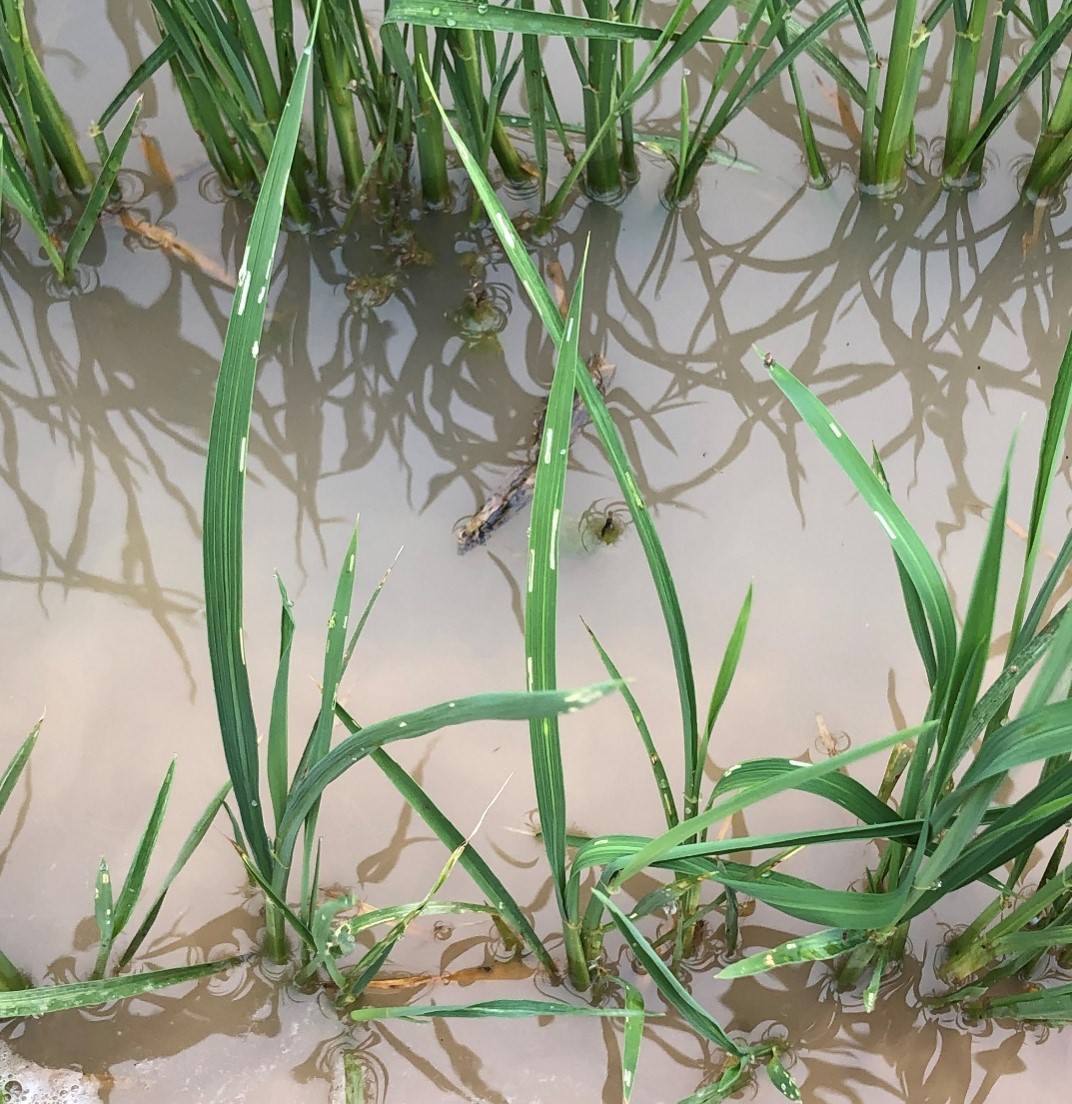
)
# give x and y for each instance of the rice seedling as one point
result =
(222, 71)
(19, 998)
(270, 843)
(965, 141)
(973, 740)
(612, 81)
(35, 121)
(10, 977)
(111, 912)
(684, 850)
(739, 79)
(38, 140)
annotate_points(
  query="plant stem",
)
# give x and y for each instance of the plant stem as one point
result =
(576, 960)
(1042, 178)
(11, 980)
(965, 61)
(336, 77)
(903, 75)
(275, 935)
(602, 175)
(431, 149)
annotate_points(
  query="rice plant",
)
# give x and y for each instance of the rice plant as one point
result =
(36, 124)
(947, 786)
(38, 141)
(17, 189)
(966, 139)
(19, 998)
(601, 46)
(271, 833)
(684, 850)
(10, 977)
(221, 68)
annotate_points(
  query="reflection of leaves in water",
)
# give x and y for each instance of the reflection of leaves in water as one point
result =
(113, 432)
(353, 384)
(164, 1023)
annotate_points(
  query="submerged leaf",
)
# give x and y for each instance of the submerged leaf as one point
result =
(83, 994)
(493, 1009)
(809, 948)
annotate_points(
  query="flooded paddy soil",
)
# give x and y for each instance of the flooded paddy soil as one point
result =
(932, 325)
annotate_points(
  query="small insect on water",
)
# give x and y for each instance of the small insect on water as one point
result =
(768, 360)
(604, 522)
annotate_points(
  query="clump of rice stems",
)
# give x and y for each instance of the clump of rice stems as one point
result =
(234, 96)
(221, 68)
(19, 998)
(888, 130)
(951, 832)
(609, 97)
(38, 140)
(270, 841)
(965, 140)
(1052, 160)
(17, 189)
(739, 79)
(36, 124)
(887, 133)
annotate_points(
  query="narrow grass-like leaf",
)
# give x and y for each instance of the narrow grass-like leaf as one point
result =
(139, 865)
(967, 672)
(1051, 450)
(813, 903)
(818, 947)
(461, 13)
(749, 795)
(193, 841)
(782, 1079)
(84, 994)
(727, 669)
(904, 540)
(838, 788)
(334, 663)
(277, 756)
(471, 861)
(541, 618)
(1026, 739)
(633, 1035)
(98, 196)
(493, 1009)
(225, 477)
(156, 60)
(20, 194)
(655, 760)
(104, 914)
(1024, 659)
(673, 992)
(515, 706)
(1021, 825)
(14, 769)
(11, 979)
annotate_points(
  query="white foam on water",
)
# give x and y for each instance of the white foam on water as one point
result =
(27, 1083)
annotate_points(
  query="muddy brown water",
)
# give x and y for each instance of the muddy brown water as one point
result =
(932, 325)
